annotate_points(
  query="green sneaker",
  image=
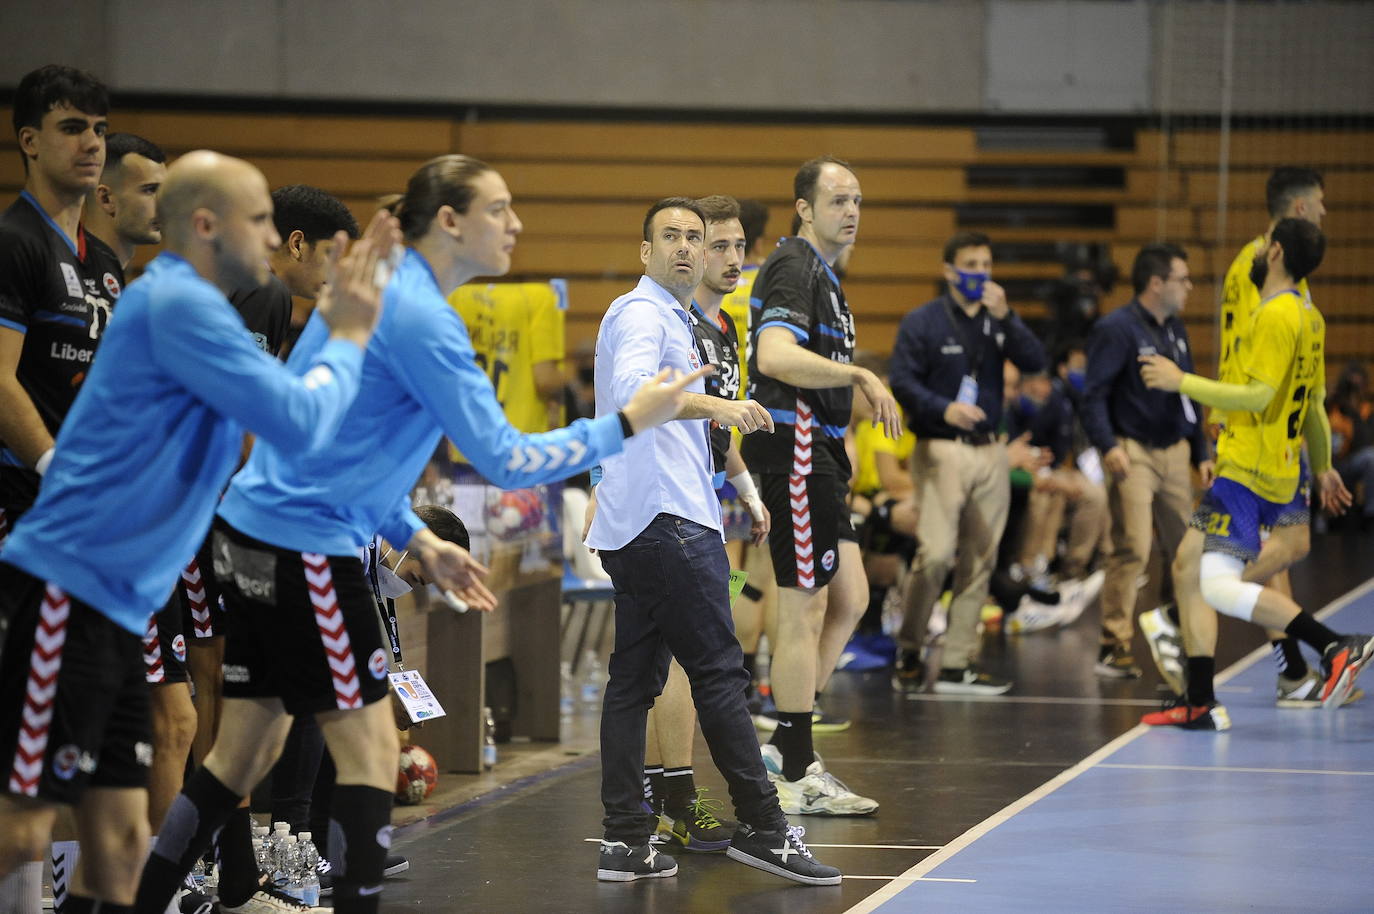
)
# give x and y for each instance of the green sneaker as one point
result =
(697, 829)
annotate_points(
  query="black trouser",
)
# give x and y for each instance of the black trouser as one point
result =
(672, 600)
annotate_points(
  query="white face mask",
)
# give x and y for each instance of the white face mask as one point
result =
(389, 583)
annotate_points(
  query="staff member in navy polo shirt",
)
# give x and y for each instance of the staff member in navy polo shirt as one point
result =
(947, 374)
(1147, 438)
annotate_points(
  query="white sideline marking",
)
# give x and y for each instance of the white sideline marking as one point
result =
(917, 873)
(914, 879)
(1228, 768)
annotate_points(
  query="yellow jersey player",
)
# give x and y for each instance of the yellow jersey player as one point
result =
(1268, 417)
(1291, 192)
(517, 333)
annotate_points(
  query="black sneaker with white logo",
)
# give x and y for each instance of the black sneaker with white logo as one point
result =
(781, 853)
(622, 863)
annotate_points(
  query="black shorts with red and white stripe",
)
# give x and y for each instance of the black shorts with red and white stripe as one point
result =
(199, 595)
(74, 710)
(164, 646)
(303, 626)
(810, 516)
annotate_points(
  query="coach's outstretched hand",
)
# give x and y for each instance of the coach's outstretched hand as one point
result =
(661, 398)
(451, 567)
(351, 300)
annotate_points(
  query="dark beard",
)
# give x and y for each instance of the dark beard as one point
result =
(1259, 272)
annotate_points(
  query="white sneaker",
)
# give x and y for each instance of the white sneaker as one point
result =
(1078, 595)
(268, 900)
(939, 619)
(818, 793)
(1166, 647)
(1034, 616)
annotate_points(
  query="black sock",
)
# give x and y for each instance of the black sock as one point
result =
(749, 668)
(80, 904)
(1288, 657)
(238, 868)
(1308, 630)
(1200, 673)
(196, 814)
(653, 785)
(359, 837)
(793, 739)
(679, 790)
(1172, 613)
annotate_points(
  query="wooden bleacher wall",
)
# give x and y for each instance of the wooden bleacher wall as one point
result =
(581, 189)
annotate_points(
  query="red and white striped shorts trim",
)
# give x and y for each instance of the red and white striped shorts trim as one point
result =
(802, 540)
(40, 692)
(153, 671)
(333, 633)
(194, 583)
(4, 527)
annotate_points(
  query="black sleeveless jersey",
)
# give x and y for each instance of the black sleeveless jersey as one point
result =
(718, 345)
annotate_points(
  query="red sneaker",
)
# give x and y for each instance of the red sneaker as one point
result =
(1211, 716)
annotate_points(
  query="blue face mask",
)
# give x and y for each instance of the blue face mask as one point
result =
(970, 285)
(1078, 380)
(1029, 406)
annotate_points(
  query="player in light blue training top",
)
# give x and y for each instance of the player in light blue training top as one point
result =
(304, 637)
(137, 470)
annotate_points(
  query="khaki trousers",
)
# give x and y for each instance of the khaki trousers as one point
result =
(963, 491)
(1155, 497)
(1086, 516)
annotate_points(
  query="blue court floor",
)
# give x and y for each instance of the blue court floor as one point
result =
(1272, 815)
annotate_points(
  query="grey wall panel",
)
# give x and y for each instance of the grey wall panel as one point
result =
(1069, 56)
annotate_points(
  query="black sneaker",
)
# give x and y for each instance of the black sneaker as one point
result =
(695, 826)
(781, 853)
(1342, 661)
(1114, 661)
(970, 681)
(622, 863)
(394, 866)
(910, 674)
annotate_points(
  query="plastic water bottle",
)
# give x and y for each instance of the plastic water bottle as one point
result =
(489, 740)
(261, 846)
(566, 698)
(276, 857)
(591, 685)
(291, 867)
(310, 863)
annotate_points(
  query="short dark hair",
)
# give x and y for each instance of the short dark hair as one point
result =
(1286, 183)
(804, 184)
(719, 208)
(1303, 245)
(444, 524)
(753, 215)
(46, 88)
(119, 145)
(315, 213)
(53, 85)
(1154, 260)
(686, 203)
(442, 181)
(963, 240)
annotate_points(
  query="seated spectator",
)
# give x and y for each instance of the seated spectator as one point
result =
(1352, 436)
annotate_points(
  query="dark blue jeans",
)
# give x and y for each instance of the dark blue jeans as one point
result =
(672, 600)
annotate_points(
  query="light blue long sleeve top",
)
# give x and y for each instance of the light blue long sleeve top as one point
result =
(154, 434)
(420, 380)
(665, 470)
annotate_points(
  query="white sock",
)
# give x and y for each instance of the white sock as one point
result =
(22, 890)
(64, 856)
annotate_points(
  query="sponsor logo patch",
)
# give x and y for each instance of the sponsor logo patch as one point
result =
(377, 663)
(179, 648)
(828, 560)
(66, 759)
(111, 285)
(72, 280)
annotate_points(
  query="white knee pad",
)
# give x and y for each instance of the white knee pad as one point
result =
(1223, 588)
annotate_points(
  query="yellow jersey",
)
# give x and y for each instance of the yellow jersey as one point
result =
(736, 307)
(1284, 347)
(1239, 299)
(513, 327)
(869, 442)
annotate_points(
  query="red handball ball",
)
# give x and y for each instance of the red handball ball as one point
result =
(417, 775)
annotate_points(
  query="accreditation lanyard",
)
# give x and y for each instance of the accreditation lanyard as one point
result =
(974, 355)
(385, 605)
